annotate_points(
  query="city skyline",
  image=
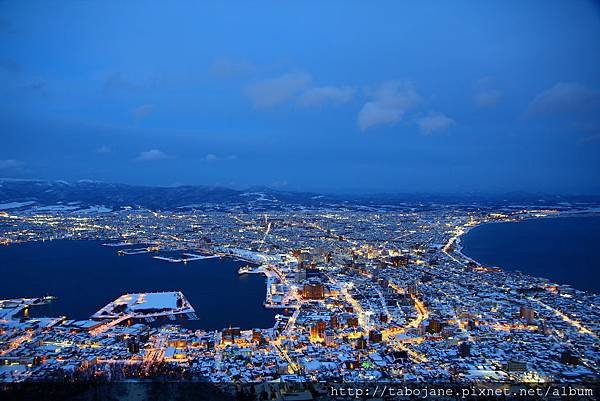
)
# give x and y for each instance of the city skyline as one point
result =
(299, 200)
(343, 97)
(254, 293)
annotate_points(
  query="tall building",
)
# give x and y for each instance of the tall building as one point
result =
(229, 334)
(383, 318)
(399, 260)
(133, 346)
(329, 338)
(412, 289)
(375, 336)
(464, 349)
(317, 330)
(321, 325)
(434, 326)
(527, 314)
(313, 291)
(361, 343)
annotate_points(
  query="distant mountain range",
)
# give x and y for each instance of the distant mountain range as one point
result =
(35, 193)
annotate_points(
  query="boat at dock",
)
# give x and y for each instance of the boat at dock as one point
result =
(246, 269)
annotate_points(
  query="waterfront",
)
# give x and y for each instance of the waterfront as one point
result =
(359, 286)
(563, 249)
(220, 296)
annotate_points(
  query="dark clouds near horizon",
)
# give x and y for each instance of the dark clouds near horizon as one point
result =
(430, 96)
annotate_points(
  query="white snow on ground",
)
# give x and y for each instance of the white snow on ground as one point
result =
(260, 197)
(55, 208)
(14, 205)
(71, 206)
(164, 300)
(152, 300)
(258, 194)
(95, 209)
(192, 206)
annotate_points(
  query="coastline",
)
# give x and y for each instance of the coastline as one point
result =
(458, 246)
(139, 287)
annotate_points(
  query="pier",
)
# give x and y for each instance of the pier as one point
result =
(143, 306)
(190, 257)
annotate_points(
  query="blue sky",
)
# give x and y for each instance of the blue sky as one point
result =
(431, 96)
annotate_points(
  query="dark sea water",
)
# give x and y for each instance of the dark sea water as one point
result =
(85, 276)
(565, 250)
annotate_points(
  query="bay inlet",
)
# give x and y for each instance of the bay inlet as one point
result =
(85, 276)
(564, 250)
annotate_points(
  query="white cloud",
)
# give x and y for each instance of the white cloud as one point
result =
(486, 95)
(434, 122)
(389, 104)
(143, 111)
(564, 98)
(318, 96)
(274, 91)
(151, 155)
(10, 164)
(210, 157)
(487, 98)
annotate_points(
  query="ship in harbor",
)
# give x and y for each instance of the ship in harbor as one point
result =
(246, 269)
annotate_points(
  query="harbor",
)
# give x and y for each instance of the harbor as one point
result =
(211, 283)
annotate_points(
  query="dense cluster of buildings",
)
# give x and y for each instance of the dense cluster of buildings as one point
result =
(368, 294)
